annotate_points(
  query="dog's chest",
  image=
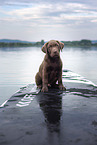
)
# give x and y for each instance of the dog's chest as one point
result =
(54, 67)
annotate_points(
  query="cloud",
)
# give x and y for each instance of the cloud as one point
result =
(42, 16)
(46, 15)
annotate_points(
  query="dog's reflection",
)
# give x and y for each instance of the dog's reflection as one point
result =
(51, 105)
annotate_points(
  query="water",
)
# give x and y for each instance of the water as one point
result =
(18, 66)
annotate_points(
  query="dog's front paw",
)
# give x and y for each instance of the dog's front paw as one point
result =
(62, 88)
(44, 89)
(39, 86)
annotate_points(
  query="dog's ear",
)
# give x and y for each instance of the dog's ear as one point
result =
(44, 47)
(60, 44)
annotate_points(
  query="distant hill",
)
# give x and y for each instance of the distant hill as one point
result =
(14, 41)
(7, 43)
(21, 41)
(4, 43)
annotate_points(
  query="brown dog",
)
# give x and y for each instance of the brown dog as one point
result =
(50, 71)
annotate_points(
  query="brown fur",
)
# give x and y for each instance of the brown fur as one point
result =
(50, 71)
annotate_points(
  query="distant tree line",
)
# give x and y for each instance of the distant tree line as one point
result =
(21, 44)
(82, 43)
(18, 44)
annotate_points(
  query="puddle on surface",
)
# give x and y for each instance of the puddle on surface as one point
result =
(69, 76)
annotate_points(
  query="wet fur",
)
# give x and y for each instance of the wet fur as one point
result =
(50, 71)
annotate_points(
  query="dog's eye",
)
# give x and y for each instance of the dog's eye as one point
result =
(48, 49)
(56, 45)
(50, 46)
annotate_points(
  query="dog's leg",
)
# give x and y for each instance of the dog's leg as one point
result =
(38, 81)
(61, 87)
(44, 80)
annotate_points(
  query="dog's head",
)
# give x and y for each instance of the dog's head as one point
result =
(52, 48)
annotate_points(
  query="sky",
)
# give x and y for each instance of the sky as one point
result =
(34, 20)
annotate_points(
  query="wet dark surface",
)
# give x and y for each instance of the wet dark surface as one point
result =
(52, 118)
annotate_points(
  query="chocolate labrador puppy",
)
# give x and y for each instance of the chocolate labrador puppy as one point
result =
(50, 71)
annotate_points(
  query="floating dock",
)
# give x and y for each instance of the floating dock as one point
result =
(56, 117)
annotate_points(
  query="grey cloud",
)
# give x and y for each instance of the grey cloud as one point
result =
(55, 15)
(60, 14)
(22, 2)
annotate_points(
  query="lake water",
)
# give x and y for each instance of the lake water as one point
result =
(18, 66)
